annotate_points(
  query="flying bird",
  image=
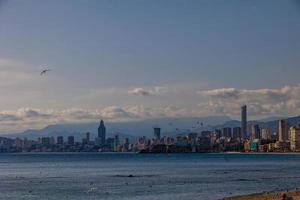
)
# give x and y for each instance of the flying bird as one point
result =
(45, 71)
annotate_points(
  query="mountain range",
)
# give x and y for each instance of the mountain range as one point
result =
(135, 129)
(131, 129)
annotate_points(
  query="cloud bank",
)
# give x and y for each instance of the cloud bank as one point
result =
(25, 118)
(281, 101)
(156, 91)
(55, 99)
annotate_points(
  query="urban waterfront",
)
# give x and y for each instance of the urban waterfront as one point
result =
(149, 100)
(249, 137)
(144, 176)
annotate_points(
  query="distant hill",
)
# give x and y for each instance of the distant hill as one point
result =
(268, 119)
(135, 129)
(272, 124)
(132, 129)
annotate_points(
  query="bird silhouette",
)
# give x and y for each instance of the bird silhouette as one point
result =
(45, 71)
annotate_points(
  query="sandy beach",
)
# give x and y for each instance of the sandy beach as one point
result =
(293, 195)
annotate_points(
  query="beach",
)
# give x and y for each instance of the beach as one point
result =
(292, 195)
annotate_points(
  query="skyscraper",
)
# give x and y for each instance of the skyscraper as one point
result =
(157, 133)
(237, 133)
(60, 140)
(227, 132)
(255, 132)
(295, 138)
(283, 131)
(244, 122)
(116, 142)
(87, 137)
(101, 132)
(71, 140)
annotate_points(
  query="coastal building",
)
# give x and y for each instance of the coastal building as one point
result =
(244, 121)
(45, 140)
(266, 134)
(18, 143)
(255, 133)
(218, 133)
(295, 138)
(282, 146)
(71, 140)
(110, 144)
(247, 145)
(181, 141)
(237, 133)
(86, 140)
(263, 148)
(254, 145)
(52, 141)
(101, 133)
(125, 147)
(116, 142)
(227, 132)
(60, 140)
(27, 143)
(168, 141)
(271, 147)
(283, 131)
(157, 133)
(87, 137)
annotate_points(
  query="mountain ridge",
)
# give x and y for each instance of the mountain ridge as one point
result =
(135, 129)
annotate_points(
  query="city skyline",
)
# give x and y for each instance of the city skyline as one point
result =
(141, 60)
(149, 99)
(284, 139)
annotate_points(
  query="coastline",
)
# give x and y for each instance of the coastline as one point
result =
(290, 195)
(141, 153)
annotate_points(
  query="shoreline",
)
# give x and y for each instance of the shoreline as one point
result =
(216, 153)
(290, 195)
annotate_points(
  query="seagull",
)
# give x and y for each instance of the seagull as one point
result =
(45, 71)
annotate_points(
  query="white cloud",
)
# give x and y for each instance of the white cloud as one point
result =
(22, 86)
(148, 91)
(281, 101)
(30, 118)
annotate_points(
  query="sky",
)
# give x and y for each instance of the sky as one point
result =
(137, 59)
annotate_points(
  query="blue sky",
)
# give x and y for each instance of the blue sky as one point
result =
(154, 54)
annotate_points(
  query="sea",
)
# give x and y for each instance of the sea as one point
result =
(113, 176)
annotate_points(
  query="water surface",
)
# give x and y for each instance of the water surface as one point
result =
(116, 176)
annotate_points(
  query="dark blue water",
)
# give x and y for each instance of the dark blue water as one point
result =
(144, 176)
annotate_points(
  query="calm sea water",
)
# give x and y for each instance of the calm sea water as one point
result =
(137, 176)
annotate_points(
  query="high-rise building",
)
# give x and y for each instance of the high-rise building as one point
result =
(157, 134)
(266, 134)
(60, 140)
(71, 140)
(116, 142)
(295, 138)
(125, 145)
(283, 133)
(244, 121)
(237, 133)
(227, 132)
(52, 140)
(102, 133)
(255, 132)
(87, 137)
(46, 140)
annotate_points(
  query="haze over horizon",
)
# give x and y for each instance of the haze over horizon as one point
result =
(133, 60)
